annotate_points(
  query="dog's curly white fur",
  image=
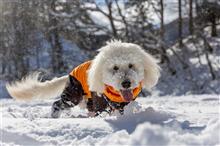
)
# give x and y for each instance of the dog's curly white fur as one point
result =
(115, 53)
(132, 63)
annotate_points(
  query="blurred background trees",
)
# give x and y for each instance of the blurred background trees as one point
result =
(56, 35)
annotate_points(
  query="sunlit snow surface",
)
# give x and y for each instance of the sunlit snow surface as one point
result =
(182, 120)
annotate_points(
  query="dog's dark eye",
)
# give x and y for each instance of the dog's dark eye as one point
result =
(115, 68)
(130, 65)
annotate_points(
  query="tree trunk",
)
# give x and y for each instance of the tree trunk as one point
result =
(38, 57)
(180, 24)
(3, 66)
(56, 54)
(163, 54)
(162, 19)
(213, 21)
(124, 20)
(114, 31)
(20, 49)
(191, 17)
(197, 7)
(208, 47)
(56, 46)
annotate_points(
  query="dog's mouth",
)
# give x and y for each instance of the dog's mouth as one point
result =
(127, 95)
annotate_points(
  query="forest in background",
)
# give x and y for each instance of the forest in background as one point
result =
(53, 36)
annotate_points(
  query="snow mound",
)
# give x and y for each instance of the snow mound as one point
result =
(148, 134)
(129, 121)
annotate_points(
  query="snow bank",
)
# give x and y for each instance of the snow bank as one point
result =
(132, 120)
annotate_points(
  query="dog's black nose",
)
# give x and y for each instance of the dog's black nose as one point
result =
(126, 84)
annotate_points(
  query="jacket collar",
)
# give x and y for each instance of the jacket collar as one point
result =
(115, 95)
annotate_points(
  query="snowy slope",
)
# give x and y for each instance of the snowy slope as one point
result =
(183, 120)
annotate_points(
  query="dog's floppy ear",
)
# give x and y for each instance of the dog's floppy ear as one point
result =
(151, 71)
(95, 80)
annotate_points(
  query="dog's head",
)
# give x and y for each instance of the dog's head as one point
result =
(123, 66)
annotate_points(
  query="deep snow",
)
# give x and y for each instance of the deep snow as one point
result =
(182, 120)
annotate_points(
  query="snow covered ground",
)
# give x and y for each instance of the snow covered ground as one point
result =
(180, 120)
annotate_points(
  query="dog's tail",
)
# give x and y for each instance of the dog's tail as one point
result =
(31, 87)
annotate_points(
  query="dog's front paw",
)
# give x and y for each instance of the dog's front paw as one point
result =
(55, 111)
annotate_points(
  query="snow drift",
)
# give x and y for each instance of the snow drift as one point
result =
(183, 120)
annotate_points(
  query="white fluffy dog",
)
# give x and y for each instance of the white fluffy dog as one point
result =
(122, 66)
